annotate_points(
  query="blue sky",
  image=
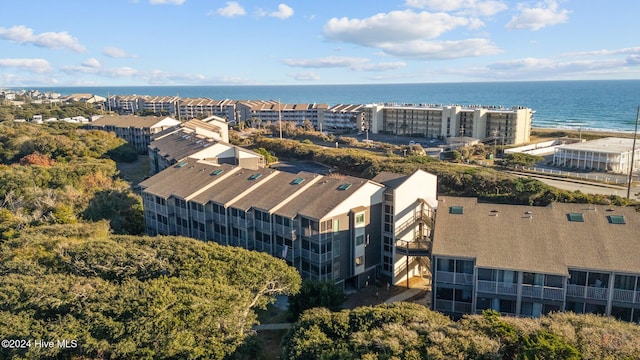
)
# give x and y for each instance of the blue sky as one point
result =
(202, 42)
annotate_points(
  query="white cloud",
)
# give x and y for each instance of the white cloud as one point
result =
(115, 52)
(305, 76)
(232, 9)
(383, 66)
(392, 27)
(92, 62)
(604, 52)
(471, 7)
(284, 11)
(535, 18)
(438, 50)
(352, 63)
(408, 34)
(166, 2)
(326, 62)
(39, 66)
(24, 35)
(105, 72)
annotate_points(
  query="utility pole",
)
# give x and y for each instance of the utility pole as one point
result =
(280, 118)
(633, 153)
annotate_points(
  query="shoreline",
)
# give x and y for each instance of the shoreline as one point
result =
(588, 134)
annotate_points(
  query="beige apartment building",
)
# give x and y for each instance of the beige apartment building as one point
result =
(508, 126)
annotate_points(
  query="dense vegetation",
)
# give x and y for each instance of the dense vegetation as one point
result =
(411, 331)
(453, 179)
(59, 174)
(53, 110)
(131, 297)
(316, 294)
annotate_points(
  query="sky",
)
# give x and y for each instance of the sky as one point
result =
(303, 42)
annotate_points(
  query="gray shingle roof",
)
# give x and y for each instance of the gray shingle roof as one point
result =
(182, 179)
(538, 239)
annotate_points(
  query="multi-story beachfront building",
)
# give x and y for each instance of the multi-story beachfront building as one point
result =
(201, 107)
(259, 113)
(136, 130)
(328, 227)
(507, 126)
(343, 117)
(528, 261)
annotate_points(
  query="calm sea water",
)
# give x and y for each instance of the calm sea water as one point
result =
(603, 104)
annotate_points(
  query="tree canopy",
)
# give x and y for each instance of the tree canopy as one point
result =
(411, 331)
(60, 173)
(132, 297)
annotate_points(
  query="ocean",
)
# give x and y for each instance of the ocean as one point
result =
(599, 104)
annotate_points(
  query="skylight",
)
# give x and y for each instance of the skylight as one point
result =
(576, 217)
(344, 186)
(181, 164)
(297, 181)
(458, 210)
(616, 219)
(254, 176)
(217, 172)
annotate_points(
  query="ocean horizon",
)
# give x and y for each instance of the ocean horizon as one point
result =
(606, 105)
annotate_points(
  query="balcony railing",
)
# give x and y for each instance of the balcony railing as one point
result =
(317, 257)
(542, 292)
(590, 292)
(454, 278)
(413, 248)
(495, 287)
(462, 307)
(624, 295)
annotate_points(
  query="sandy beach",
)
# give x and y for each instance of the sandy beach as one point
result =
(544, 133)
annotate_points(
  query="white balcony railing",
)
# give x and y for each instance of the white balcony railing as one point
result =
(623, 295)
(590, 292)
(597, 293)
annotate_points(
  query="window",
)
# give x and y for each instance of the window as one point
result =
(444, 293)
(486, 274)
(359, 240)
(360, 261)
(445, 265)
(458, 210)
(616, 219)
(360, 219)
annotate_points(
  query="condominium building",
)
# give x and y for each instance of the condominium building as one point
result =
(508, 126)
(197, 139)
(408, 213)
(136, 130)
(343, 117)
(261, 112)
(159, 104)
(201, 107)
(608, 154)
(124, 104)
(328, 227)
(528, 261)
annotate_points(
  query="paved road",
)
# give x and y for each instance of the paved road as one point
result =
(585, 187)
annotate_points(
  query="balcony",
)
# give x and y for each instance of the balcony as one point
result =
(317, 257)
(589, 292)
(413, 248)
(494, 287)
(628, 296)
(454, 278)
(542, 292)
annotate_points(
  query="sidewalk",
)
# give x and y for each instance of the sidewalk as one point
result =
(405, 295)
